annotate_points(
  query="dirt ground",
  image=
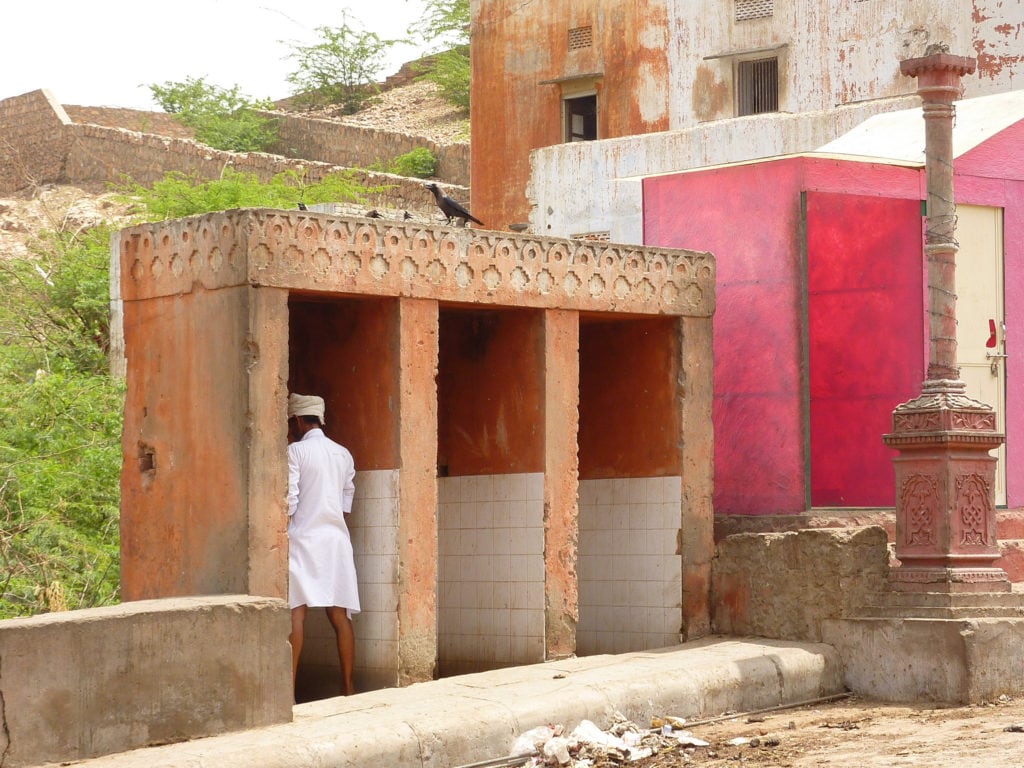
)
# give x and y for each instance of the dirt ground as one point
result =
(853, 732)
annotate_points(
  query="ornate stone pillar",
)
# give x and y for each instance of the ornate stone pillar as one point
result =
(945, 475)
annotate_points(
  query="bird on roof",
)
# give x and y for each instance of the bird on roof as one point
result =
(450, 208)
(406, 215)
(302, 206)
(372, 214)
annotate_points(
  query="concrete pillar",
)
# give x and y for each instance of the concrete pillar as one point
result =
(697, 441)
(561, 480)
(417, 490)
(945, 475)
(266, 354)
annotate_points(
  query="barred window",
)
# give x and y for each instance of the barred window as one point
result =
(757, 86)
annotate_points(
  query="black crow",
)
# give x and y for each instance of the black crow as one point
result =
(372, 214)
(302, 206)
(406, 215)
(450, 208)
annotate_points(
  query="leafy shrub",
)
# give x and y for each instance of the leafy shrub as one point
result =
(446, 24)
(60, 428)
(419, 163)
(222, 118)
(177, 195)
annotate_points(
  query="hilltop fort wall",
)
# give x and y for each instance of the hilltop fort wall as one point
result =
(41, 143)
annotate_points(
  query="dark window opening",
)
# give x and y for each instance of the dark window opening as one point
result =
(757, 86)
(581, 118)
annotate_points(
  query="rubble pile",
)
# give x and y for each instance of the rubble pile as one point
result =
(587, 746)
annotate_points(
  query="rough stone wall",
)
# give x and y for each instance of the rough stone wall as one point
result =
(139, 120)
(80, 684)
(783, 585)
(349, 145)
(33, 140)
(98, 153)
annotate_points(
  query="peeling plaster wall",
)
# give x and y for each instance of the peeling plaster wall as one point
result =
(839, 55)
(594, 186)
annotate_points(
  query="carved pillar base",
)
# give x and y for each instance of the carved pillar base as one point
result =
(945, 493)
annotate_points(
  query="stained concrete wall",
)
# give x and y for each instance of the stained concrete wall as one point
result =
(85, 683)
(595, 186)
(833, 55)
(784, 585)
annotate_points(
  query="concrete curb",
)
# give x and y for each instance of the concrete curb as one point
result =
(460, 720)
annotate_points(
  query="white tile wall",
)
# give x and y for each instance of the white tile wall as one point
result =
(490, 571)
(373, 525)
(630, 577)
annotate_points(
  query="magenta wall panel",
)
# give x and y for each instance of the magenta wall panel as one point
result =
(749, 217)
(865, 339)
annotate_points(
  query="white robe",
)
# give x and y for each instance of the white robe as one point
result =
(321, 568)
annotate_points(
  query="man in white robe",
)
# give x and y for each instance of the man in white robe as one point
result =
(321, 567)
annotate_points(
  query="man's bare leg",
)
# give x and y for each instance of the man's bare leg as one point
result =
(295, 638)
(346, 646)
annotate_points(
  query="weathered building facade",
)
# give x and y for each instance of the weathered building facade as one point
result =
(530, 420)
(563, 71)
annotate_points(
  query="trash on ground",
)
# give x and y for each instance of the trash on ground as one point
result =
(739, 741)
(587, 744)
(1015, 728)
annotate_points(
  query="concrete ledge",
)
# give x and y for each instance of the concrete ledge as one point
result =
(80, 684)
(949, 660)
(461, 720)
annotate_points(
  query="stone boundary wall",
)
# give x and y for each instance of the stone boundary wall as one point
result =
(40, 144)
(332, 142)
(106, 154)
(784, 585)
(139, 120)
(34, 140)
(86, 683)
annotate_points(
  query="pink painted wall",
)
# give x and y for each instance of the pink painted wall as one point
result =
(865, 336)
(776, 446)
(750, 217)
(758, 412)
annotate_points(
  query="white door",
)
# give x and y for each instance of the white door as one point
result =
(980, 335)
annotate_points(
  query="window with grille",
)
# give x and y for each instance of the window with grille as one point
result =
(581, 118)
(754, 9)
(757, 86)
(581, 37)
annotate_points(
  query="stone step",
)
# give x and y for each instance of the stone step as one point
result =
(940, 612)
(958, 600)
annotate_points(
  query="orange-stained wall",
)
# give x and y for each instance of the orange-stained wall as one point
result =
(188, 428)
(490, 392)
(346, 351)
(516, 48)
(629, 415)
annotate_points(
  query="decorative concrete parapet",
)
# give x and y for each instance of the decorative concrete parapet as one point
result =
(323, 253)
(86, 683)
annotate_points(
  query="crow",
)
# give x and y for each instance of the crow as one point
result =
(372, 214)
(302, 206)
(406, 215)
(450, 208)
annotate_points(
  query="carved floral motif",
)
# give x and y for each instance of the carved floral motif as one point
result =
(351, 255)
(920, 504)
(972, 507)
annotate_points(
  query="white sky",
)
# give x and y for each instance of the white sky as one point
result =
(106, 52)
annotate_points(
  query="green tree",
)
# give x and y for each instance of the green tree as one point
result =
(60, 426)
(339, 69)
(445, 27)
(222, 118)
